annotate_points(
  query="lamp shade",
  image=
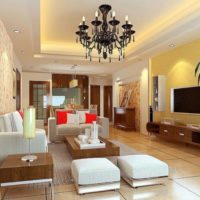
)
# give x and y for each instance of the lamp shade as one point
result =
(73, 83)
(29, 123)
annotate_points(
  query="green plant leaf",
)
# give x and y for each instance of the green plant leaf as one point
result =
(197, 68)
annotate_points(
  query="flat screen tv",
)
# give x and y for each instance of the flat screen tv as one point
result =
(185, 100)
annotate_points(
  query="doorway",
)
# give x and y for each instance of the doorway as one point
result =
(95, 97)
(108, 111)
(39, 92)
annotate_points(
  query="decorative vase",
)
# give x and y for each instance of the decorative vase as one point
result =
(94, 134)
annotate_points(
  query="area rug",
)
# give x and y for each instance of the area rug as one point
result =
(62, 160)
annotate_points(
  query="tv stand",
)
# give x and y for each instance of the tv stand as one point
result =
(177, 133)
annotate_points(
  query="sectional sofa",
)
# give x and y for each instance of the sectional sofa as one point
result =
(12, 140)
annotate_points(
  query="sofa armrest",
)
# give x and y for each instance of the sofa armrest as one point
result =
(52, 130)
(15, 143)
(104, 122)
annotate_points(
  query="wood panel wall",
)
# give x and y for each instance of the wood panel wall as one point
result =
(134, 101)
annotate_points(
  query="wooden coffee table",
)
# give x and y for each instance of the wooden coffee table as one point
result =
(110, 150)
(13, 171)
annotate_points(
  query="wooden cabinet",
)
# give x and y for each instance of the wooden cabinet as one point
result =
(124, 118)
(176, 133)
(166, 131)
(180, 134)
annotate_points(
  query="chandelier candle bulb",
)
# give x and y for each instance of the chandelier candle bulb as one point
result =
(96, 14)
(126, 18)
(113, 14)
(83, 19)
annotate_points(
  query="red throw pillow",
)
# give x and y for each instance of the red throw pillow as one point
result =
(61, 117)
(21, 114)
(90, 118)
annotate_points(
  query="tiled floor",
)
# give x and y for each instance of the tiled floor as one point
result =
(183, 183)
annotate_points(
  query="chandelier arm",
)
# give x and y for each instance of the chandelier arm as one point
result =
(92, 42)
(118, 42)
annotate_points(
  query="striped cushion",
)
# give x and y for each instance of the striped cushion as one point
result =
(7, 122)
(11, 122)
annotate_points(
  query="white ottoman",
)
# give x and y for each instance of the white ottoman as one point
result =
(95, 174)
(142, 170)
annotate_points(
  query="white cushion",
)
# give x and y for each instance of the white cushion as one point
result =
(17, 122)
(82, 117)
(94, 171)
(142, 166)
(72, 118)
(7, 122)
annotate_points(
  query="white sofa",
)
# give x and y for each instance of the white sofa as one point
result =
(11, 137)
(57, 132)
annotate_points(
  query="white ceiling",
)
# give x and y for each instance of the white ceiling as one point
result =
(46, 41)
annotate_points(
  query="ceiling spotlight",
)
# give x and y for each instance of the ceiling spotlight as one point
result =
(118, 80)
(172, 45)
(16, 31)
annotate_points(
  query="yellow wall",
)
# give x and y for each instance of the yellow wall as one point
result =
(178, 66)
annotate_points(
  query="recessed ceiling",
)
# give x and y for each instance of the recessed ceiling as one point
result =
(47, 30)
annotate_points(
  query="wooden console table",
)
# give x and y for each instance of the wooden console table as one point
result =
(175, 133)
(13, 171)
(124, 118)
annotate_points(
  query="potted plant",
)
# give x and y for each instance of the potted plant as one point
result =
(197, 72)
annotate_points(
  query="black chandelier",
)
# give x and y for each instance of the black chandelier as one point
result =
(105, 35)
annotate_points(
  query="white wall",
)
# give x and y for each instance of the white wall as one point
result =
(101, 81)
(144, 103)
(29, 76)
(136, 71)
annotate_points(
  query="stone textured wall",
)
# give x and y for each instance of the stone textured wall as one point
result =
(7, 103)
(134, 100)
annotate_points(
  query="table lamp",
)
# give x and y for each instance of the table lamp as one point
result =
(29, 131)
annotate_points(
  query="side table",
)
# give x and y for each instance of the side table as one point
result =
(13, 171)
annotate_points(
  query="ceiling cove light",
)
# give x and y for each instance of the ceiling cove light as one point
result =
(106, 36)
